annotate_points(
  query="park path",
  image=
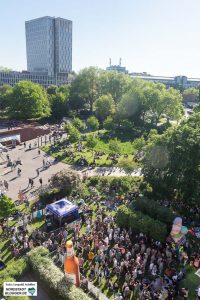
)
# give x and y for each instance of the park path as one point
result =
(31, 161)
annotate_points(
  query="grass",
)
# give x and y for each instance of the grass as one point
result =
(126, 148)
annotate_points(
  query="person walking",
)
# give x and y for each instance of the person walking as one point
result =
(38, 171)
(32, 183)
(40, 180)
(38, 151)
(29, 181)
(6, 184)
(19, 172)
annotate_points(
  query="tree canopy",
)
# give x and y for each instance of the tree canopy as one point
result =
(171, 163)
(28, 100)
(93, 123)
(104, 106)
(7, 206)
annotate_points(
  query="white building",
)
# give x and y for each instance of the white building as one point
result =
(49, 45)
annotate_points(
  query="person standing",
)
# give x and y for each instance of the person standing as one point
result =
(40, 180)
(38, 171)
(6, 184)
(32, 183)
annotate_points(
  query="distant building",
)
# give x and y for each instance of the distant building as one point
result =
(117, 68)
(49, 53)
(49, 45)
(169, 81)
(11, 78)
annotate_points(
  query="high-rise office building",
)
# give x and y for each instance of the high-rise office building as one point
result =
(49, 45)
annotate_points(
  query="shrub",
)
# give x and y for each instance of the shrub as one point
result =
(93, 123)
(66, 181)
(47, 197)
(79, 124)
(139, 222)
(119, 185)
(154, 210)
(44, 266)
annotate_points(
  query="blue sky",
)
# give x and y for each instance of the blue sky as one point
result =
(156, 36)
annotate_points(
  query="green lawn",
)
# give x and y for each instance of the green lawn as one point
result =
(127, 148)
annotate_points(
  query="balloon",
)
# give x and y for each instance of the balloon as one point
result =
(184, 230)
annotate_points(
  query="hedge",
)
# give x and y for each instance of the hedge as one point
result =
(14, 270)
(120, 185)
(52, 275)
(139, 222)
(154, 210)
(48, 196)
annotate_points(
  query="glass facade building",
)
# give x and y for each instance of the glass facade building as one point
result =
(49, 45)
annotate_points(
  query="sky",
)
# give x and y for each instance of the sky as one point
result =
(154, 36)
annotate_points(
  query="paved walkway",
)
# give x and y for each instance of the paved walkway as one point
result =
(31, 162)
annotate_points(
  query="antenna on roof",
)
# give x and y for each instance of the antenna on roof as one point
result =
(110, 61)
(120, 61)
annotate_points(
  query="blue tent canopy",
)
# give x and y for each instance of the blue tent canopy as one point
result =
(62, 208)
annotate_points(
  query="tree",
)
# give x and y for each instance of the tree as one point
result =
(66, 181)
(7, 206)
(108, 123)
(171, 164)
(139, 143)
(79, 124)
(5, 92)
(91, 142)
(52, 89)
(191, 95)
(104, 106)
(74, 134)
(132, 105)
(93, 123)
(84, 88)
(128, 166)
(58, 106)
(114, 83)
(115, 146)
(28, 100)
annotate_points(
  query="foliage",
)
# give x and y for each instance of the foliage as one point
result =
(128, 166)
(147, 102)
(66, 181)
(115, 146)
(104, 106)
(5, 92)
(139, 143)
(114, 83)
(28, 100)
(79, 124)
(93, 123)
(171, 164)
(44, 266)
(84, 88)
(47, 197)
(115, 185)
(154, 210)
(59, 100)
(7, 206)
(74, 134)
(91, 141)
(139, 222)
(191, 95)
(108, 123)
